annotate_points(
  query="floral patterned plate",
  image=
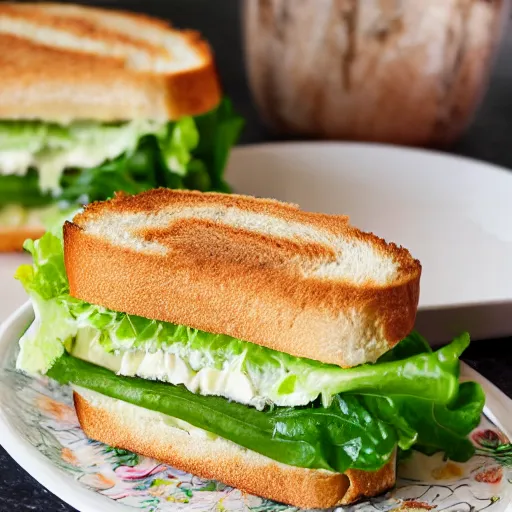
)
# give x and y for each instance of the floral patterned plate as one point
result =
(38, 427)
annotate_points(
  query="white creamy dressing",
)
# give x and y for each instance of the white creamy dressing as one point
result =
(171, 368)
(230, 382)
(89, 147)
(51, 166)
(15, 161)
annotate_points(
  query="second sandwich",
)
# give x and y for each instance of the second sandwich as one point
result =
(95, 101)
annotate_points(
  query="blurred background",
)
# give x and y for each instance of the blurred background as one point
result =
(434, 73)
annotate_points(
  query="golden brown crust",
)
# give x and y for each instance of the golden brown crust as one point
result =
(232, 465)
(196, 91)
(157, 199)
(96, 84)
(78, 11)
(225, 280)
(11, 239)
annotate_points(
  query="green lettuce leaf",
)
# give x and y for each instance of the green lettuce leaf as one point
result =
(45, 340)
(39, 136)
(46, 277)
(131, 173)
(53, 326)
(336, 438)
(429, 426)
(23, 135)
(413, 345)
(432, 427)
(219, 131)
(177, 143)
(445, 427)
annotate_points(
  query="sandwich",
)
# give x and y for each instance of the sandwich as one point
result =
(94, 101)
(245, 340)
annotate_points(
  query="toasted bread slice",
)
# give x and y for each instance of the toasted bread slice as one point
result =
(307, 284)
(133, 428)
(62, 62)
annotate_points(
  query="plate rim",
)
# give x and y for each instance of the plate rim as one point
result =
(380, 146)
(70, 491)
(28, 457)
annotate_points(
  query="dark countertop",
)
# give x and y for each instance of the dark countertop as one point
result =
(489, 138)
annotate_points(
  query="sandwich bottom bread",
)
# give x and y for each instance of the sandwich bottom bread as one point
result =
(112, 422)
(11, 239)
(247, 341)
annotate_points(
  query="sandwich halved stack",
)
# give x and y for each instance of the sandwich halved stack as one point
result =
(94, 101)
(247, 341)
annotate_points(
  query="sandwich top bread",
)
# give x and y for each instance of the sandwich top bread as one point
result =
(245, 340)
(315, 276)
(93, 101)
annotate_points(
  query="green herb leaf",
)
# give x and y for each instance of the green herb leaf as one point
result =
(23, 190)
